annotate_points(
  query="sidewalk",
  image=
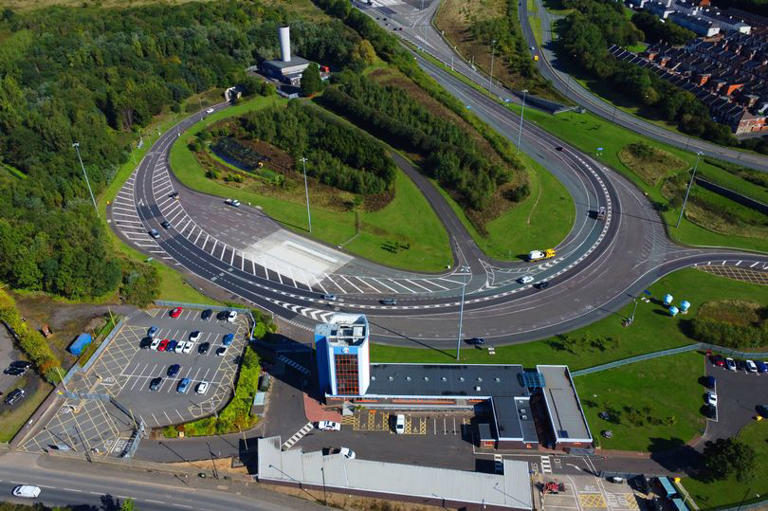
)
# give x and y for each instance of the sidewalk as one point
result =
(316, 412)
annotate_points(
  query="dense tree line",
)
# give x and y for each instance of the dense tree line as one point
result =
(655, 30)
(97, 77)
(730, 335)
(586, 35)
(337, 155)
(449, 155)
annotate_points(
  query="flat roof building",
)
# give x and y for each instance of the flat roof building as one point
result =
(288, 68)
(567, 420)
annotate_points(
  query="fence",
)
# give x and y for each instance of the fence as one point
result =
(672, 351)
(733, 195)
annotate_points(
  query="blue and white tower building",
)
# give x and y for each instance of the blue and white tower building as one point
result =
(343, 360)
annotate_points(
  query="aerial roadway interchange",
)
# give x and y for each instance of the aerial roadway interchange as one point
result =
(600, 266)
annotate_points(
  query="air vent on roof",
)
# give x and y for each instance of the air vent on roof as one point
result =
(461, 378)
(523, 410)
(391, 378)
(444, 378)
(477, 388)
(479, 379)
(373, 378)
(426, 378)
(524, 417)
(408, 378)
(498, 379)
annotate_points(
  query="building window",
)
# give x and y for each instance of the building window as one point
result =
(346, 375)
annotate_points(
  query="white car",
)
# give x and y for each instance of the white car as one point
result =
(202, 387)
(328, 426)
(187, 347)
(711, 398)
(179, 347)
(400, 424)
(525, 279)
(209, 111)
(155, 343)
(233, 202)
(194, 336)
(347, 453)
(221, 351)
(26, 491)
(232, 316)
(751, 367)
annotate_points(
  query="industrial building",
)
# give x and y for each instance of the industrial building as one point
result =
(289, 68)
(516, 407)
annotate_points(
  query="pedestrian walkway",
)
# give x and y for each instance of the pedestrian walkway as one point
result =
(297, 436)
(546, 465)
(315, 412)
(287, 361)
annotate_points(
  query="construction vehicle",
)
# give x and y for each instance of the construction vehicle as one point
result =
(552, 487)
(538, 255)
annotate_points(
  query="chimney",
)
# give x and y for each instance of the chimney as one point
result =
(285, 43)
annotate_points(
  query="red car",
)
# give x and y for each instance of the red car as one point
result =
(163, 344)
(175, 313)
(718, 361)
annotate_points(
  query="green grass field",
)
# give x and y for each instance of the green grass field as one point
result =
(654, 404)
(652, 330)
(429, 247)
(730, 492)
(11, 422)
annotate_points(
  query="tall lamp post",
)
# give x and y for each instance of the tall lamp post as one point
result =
(522, 115)
(688, 190)
(306, 192)
(465, 271)
(490, 78)
(76, 145)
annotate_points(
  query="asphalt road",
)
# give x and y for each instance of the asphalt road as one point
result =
(76, 483)
(567, 86)
(599, 268)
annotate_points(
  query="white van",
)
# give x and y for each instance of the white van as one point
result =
(400, 424)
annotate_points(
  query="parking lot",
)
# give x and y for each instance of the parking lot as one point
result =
(738, 394)
(103, 405)
(586, 492)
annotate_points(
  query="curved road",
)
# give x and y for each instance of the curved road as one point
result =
(599, 268)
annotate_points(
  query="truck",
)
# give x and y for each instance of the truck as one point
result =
(538, 255)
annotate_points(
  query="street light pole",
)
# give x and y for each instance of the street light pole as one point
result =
(306, 192)
(490, 79)
(76, 145)
(688, 190)
(522, 115)
(464, 269)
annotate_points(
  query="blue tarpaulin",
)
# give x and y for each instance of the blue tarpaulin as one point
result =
(77, 347)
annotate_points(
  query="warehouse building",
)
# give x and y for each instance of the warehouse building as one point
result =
(516, 407)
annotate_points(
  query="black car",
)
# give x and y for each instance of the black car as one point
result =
(174, 370)
(14, 396)
(203, 348)
(710, 382)
(476, 341)
(166, 224)
(544, 284)
(21, 363)
(222, 315)
(173, 195)
(145, 343)
(388, 301)
(15, 371)
(206, 314)
(155, 383)
(559, 148)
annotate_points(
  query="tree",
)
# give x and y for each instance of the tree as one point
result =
(729, 456)
(310, 80)
(128, 505)
(365, 52)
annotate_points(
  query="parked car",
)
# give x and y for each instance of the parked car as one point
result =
(221, 351)
(15, 371)
(173, 370)
(751, 366)
(175, 313)
(145, 343)
(711, 399)
(710, 411)
(154, 383)
(400, 424)
(194, 336)
(762, 410)
(328, 426)
(762, 367)
(730, 364)
(228, 339)
(187, 347)
(477, 341)
(173, 195)
(346, 452)
(24, 364)
(183, 386)
(172, 345)
(525, 279)
(202, 387)
(179, 347)
(718, 360)
(203, 348)
(152, 331)
(206, 314)
(710, 382)
(209, 111)
(232, 202)
(14, 396)
(232, 316)
(163, 345)
(26, 491)
(388, 301)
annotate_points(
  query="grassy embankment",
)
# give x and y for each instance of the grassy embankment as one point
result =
(429, 248)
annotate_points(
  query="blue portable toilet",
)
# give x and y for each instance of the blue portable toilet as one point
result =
(674, 311)
(684, 306)
(77, 347)
(668, 299)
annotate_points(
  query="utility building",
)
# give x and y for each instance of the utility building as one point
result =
(288, 68)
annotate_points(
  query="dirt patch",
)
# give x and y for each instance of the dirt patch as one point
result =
(65, 320)
(649, 163)
(222, 465)
(735, 312)
(350, 502)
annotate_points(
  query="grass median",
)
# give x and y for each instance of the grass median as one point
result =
(606, 340)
